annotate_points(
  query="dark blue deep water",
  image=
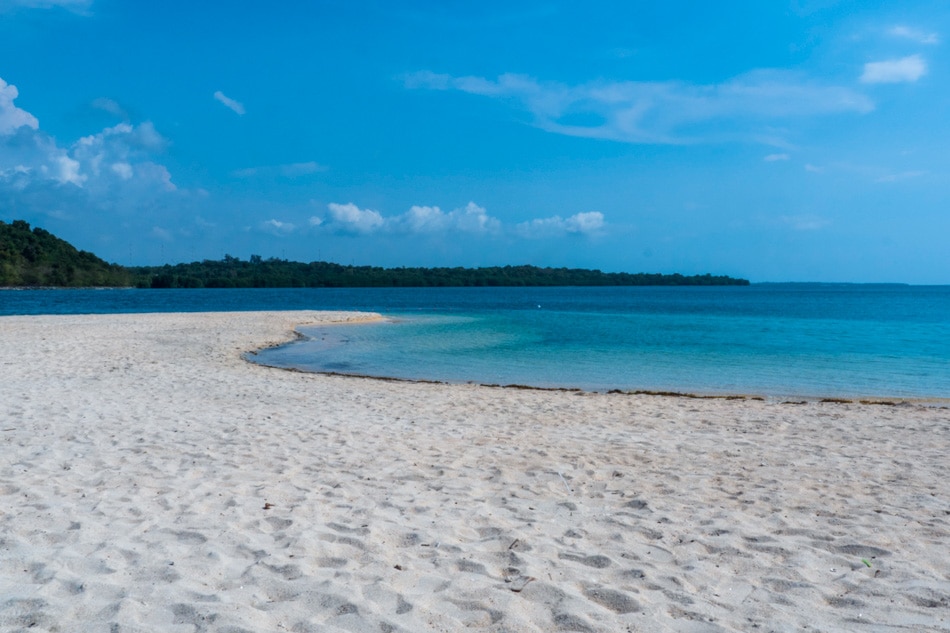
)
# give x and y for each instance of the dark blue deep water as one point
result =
(770, 339)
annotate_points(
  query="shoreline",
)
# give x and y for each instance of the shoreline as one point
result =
(937, 403)
(153, 479)
(789, 399)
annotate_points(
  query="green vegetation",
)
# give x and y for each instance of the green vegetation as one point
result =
(232, 272)
(37, 258)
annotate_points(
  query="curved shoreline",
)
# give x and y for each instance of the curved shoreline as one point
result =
(864, 399)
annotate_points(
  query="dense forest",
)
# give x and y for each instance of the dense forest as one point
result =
(37, 258)
(276, 273)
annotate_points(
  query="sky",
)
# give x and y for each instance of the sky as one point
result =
(780, 140)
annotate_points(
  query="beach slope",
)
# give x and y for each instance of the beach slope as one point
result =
(153, 480)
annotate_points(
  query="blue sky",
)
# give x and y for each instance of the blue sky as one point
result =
(780, 140)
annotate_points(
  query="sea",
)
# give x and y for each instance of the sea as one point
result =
(773, 340)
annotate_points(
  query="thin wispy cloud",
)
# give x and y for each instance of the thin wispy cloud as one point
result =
(806, 222)
(904, 70)
(289, 170)
(771, 158)
(77, 6)
(670, 112)
(277, 227)
(111, 106)
(230, 103)
(901, 176)
(917, 35)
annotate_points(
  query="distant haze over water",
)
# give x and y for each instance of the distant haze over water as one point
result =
(818, 340)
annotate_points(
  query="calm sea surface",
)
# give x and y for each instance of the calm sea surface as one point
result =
(770, 339)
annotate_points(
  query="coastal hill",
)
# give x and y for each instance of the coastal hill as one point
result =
(37, 258)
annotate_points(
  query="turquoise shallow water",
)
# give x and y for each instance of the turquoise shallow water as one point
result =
(781, 340)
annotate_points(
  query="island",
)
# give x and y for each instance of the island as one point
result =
(37, 258)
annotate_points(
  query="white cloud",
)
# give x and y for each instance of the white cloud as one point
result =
(124, 170)
(230, 103)
(474, 219)
(124, 152)
(813, 169)
(351, 218)
(921, 37)
(100, 180)
(771, 158)
(422, 219)
(587, 223)
(661, 112)
(470, 219)
(110, 106)
(419, 219)
(276, 227)
(66, 169)
(12, 117)
(906, 69)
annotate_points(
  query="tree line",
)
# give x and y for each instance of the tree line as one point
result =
(37, 258)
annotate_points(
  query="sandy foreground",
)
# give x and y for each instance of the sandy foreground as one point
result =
(152, 480)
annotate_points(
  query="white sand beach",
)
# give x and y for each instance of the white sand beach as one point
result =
(153, 480)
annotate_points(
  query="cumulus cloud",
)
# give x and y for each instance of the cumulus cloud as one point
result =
(587, 223)
(351, 219)
(66, 169)
(424, 219)
(662, 111)
(229, 103)
(771, 158)
(471, 219)
(102, 184)
(12, 117)
(917, 35)
(904, 70)
(122, 153)
(123, 170)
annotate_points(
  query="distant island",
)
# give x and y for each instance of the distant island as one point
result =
(37, 258)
